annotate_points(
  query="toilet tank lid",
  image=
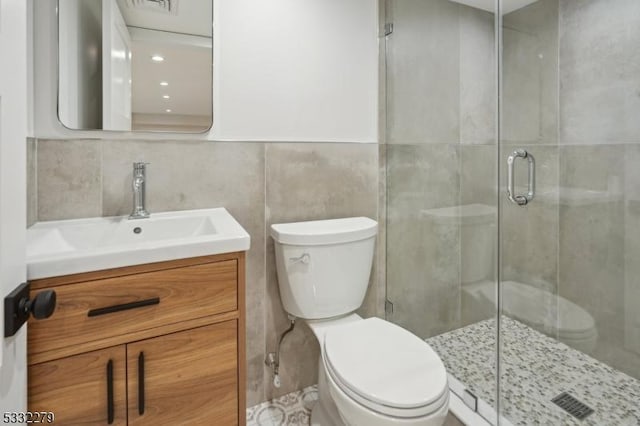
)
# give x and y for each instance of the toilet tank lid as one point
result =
(324, 232)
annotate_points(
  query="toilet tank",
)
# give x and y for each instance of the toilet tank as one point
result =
(324, 266)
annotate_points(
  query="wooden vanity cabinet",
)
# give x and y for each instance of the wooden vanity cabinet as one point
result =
(179, 359)
(84, 389)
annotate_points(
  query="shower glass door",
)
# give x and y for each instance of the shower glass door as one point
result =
(514, 249)
(441, 191)
(569, 255)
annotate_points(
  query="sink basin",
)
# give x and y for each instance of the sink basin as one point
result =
(74, 246)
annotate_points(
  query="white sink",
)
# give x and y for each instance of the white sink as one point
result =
(73, 246)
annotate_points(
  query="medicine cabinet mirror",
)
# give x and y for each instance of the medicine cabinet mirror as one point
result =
(135, 65)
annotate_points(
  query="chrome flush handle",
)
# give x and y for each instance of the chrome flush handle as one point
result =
(521, 200)
(305, 258)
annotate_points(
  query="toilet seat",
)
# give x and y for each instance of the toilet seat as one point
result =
(539, 308)
(386, 368)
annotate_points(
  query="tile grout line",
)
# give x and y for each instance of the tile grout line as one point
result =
(265, 148)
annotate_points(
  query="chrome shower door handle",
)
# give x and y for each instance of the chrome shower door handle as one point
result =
(521, 200)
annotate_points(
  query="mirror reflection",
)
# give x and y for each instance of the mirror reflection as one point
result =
(135, 65)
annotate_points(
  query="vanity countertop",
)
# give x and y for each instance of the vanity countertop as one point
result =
(83, 245)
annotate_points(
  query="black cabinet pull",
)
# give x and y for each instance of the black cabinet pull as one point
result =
(123, 307)
(110, 408)
(141, 383)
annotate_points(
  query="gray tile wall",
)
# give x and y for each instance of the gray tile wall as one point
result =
(530, 74)
(599, 71)
(571, 97)
(477, 103)
(596, 248)
(259, 183)
(423, 65)
(32, 182)
(423, 256)
(598, 162)
(530, 121)
(631, 255)
(69, 179)
(440, 153)
(440, 73)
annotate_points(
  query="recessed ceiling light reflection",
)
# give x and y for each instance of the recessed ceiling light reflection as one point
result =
(166, 96)
(164, 83)
(157, 58)
(168, 110)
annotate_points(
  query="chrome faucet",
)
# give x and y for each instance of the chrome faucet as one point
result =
(139, 186)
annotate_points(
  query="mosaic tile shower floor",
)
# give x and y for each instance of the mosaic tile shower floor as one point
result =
(535, 369)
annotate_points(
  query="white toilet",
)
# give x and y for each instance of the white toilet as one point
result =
(371, 372)
(533, 303)
(539, 308)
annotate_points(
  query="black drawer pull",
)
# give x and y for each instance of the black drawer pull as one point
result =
(110, 408)
(123, 307)
(141, 383)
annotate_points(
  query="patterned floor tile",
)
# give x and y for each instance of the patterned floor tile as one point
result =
(293, 409)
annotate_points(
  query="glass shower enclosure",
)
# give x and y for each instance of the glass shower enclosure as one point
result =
(513, 201)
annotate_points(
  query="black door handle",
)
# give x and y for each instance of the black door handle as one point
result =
(18, 307)
(123, 307)
(141, 383)
(110, 407)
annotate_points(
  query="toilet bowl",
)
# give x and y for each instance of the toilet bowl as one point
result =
(532, 303)
(370, 372)
(380, 374)
(540, 309)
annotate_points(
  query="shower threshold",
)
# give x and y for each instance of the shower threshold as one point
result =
(534, 370)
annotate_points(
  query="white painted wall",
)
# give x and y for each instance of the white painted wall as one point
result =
(296, 70)
(284, 70)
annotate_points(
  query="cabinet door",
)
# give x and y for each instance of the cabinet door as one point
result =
(85, 389)
(185, 378)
